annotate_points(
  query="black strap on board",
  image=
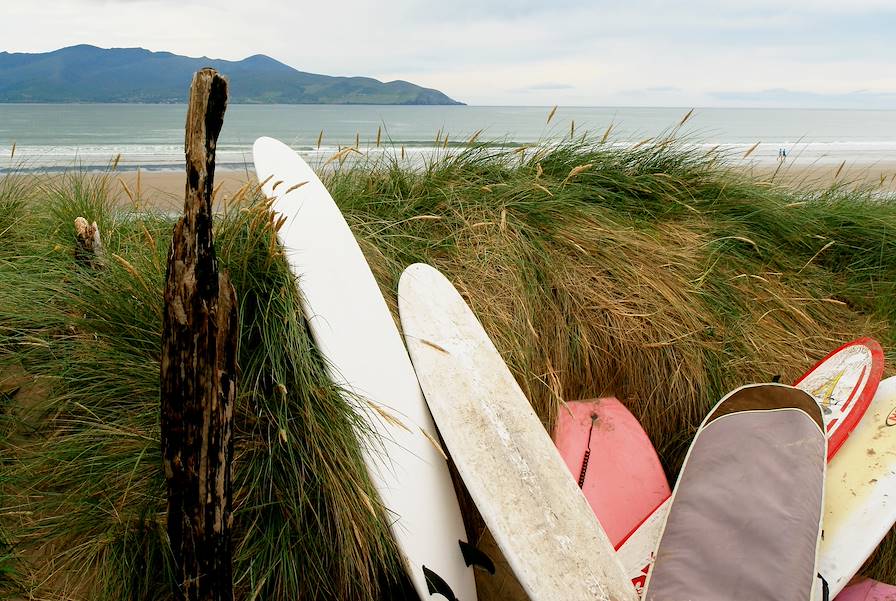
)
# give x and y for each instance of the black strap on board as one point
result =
(473, 556)
(437, 586)
(825, 589)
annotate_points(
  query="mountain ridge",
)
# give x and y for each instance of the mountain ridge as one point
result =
(84, 73)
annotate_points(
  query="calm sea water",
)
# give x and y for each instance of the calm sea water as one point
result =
(151, 136)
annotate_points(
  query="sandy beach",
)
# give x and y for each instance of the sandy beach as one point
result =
(164, 187)
(881, 174)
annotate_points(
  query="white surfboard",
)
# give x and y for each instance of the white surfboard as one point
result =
(860, 496)
(529, 500)
(842, 383)
(357, 335)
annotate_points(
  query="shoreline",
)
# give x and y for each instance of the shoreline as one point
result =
(164, 189)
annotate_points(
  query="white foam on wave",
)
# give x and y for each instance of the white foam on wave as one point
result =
(169, 156)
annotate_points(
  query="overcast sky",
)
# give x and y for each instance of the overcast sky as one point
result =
(522, 52)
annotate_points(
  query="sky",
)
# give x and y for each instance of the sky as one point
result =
(805, 53)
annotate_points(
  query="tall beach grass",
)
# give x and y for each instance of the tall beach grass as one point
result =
(650, 272)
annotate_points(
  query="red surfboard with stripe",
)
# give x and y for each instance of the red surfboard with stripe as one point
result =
(843, 383)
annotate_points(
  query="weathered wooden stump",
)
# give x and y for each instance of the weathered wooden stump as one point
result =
(199, 369)
(88, 245)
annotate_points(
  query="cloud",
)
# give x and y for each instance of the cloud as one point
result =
(548, 86)
(780, 97)
(586, 52)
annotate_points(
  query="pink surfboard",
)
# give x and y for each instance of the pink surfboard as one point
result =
(843, 383)
(614, 462)
(868, 590)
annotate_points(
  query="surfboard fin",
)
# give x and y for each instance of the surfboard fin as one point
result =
(825, 589)
(474, 557)
(437, 586)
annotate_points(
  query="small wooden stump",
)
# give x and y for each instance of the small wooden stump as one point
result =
(199, 369)
(88, 246)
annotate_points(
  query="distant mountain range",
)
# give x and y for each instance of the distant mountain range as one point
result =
(134, 75)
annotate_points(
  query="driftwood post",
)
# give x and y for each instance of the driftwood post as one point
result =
(198, 371)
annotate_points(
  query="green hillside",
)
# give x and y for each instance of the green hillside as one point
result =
(134, 75)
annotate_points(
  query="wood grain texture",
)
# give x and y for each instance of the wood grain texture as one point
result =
(198, 368)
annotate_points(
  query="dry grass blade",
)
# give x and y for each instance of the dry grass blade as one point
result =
(576, 171)
(294, 187)
(551, 115)
(12, 153)
(320, 138)
(132, 270)
(215, 192)
(687, 116)
(815, 256)
(433, 345)
(474, 137)
(751, 149)
(379, 133)
(150, 241)
(839, 170)
(606, 136)
(264, 182)
(126, 189)
(435, 444)
(739, 238)
(387, 416)
(543, 189)
(340, 156)
(278, 224)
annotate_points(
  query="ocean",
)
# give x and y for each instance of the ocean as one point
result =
(90, 136)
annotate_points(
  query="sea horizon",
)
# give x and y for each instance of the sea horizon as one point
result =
(54, 137)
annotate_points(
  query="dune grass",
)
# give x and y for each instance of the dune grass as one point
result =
(652, 273)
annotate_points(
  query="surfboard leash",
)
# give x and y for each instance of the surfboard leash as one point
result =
(587, 453)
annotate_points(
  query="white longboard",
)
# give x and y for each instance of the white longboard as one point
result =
(357, 335)
(529, 500)
(842, 383)
(860, 496)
